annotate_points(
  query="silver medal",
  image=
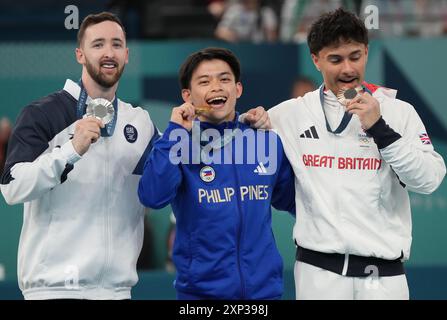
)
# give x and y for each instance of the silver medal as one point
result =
(101, 109)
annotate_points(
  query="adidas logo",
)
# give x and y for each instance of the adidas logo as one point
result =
(310, 133)
(260, 169)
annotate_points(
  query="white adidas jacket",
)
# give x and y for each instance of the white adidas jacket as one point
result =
(350, 197)
(83, 223)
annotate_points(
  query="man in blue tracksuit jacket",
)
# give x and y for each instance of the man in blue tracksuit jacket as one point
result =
(221, 178)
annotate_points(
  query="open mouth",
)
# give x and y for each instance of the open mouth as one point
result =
(348, 80)
(109, 64)
(217, 102)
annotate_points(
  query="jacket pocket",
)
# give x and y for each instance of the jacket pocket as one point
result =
(193, 256)
(184, 259)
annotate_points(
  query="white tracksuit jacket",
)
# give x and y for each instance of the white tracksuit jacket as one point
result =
(351, 197)
(83, 223)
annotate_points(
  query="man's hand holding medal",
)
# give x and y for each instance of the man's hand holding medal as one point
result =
(98, 114)
(363, 104)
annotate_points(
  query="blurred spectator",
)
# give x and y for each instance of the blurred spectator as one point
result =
(5, 132)
(297, 16)
(426, 18)
(248, 20)
(301, 86)
(216, 8)
(430, 17)
(176, 19)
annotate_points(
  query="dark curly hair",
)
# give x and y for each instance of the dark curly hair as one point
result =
(336, 26)
(193, 61)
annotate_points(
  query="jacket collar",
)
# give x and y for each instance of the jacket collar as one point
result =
(233, 124)
(74, 90)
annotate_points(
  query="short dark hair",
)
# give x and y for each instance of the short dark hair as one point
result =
(211, 53)
(336, 26)
(93, 19)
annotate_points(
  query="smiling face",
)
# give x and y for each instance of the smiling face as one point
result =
(213, 83)
(103, 52)
(342, 66)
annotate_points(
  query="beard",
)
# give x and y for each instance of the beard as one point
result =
(102, 79)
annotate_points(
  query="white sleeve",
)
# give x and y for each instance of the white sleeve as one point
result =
(30, 180)
(413, 158)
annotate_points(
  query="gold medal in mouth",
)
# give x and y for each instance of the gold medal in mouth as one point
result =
(202, 109)
(345, 95)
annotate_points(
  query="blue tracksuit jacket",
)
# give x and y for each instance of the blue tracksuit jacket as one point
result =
(224, 246)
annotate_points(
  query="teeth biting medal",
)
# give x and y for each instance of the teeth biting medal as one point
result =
(202, 109)
(207, 107)
(344, 96)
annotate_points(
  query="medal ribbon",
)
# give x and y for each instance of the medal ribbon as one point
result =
(346, 117)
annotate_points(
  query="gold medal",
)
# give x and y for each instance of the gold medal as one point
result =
(202, 109)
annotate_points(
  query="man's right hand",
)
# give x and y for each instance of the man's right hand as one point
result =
(184, 115)
(87, 131)
(257, 118)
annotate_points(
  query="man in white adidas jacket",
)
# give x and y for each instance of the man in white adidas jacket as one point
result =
(83, 223)
(353, 171)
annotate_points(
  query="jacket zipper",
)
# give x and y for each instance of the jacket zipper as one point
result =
(239, 233)
(106, 215)
(341, 218)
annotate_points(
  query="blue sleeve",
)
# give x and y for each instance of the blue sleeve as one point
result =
(283, 197)
(161, 178)
(140, 166)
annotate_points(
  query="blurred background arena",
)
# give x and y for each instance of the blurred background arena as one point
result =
(407, 52)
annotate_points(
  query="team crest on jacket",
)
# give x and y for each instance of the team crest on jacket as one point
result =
(364, 140)
(424, 138)
(130, 133)
(207, 174)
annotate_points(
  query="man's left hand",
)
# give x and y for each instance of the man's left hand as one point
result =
(367, 108)
(257, 118)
